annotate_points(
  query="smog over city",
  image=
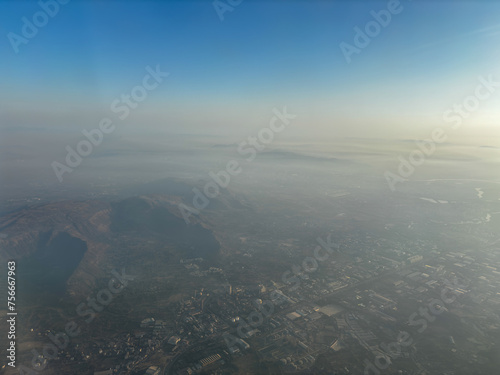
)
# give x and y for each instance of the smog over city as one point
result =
(250, 187)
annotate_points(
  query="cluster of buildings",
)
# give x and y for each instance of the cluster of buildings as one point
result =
(340, 305)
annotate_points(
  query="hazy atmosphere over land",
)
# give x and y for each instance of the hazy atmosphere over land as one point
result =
(249, 187)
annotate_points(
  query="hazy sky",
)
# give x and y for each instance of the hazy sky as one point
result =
(227, 76)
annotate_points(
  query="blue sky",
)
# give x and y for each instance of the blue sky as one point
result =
(226, 76)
